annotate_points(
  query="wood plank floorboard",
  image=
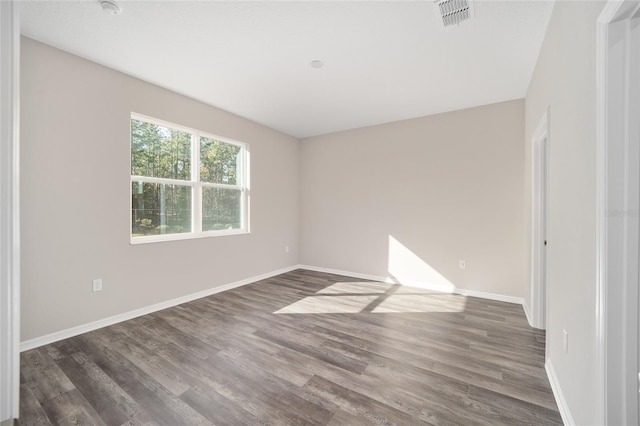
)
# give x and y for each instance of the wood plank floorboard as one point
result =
(301, 348)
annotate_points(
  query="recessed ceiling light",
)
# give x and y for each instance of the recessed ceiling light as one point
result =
(110, 7)
(317, 64)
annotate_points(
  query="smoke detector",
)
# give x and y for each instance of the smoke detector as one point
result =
(110, 7)
(454, 11)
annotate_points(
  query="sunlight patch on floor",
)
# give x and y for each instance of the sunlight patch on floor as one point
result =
(357, 287)
(415, 303)
(374, 297)
(343, 304)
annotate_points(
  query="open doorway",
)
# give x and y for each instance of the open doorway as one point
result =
(540, 146)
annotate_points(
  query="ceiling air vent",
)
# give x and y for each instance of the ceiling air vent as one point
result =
(454, 11)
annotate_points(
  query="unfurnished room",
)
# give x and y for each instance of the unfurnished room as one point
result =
(319, 212)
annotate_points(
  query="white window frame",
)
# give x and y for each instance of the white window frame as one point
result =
(195, 184)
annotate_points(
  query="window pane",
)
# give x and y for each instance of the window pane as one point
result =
(221, 209)
(220, 162)
(158, 151)
(158, 209)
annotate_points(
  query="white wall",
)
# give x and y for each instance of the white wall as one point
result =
(75, 197)
(565, 81)
(410, 199)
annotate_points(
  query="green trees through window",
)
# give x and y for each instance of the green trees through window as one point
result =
(219, 162)
(160, 152)
(170, 195)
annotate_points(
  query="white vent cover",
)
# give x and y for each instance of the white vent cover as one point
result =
(454, 11)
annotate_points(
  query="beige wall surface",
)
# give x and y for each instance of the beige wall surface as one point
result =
(409, 199)
(564, 81)
(75, 197)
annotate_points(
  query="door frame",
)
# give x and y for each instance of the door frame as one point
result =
(9, 211)
(617, 221)
(539, 221)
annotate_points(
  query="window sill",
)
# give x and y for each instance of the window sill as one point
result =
(185, 236)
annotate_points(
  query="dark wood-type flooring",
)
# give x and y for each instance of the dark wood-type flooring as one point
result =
(300, 348)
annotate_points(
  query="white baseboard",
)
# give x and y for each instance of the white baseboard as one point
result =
(426, 286)
(85, 328)
(348, 274)
(565, 413)
(490, 296)
(526, 313)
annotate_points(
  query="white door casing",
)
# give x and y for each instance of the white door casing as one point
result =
(540, 147)
(9, 211)
(618, 208)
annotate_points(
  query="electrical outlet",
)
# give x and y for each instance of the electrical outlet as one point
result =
(286, 249)
(97, 284)
(565, 341)
(462, 264)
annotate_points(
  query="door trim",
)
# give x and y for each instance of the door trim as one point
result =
(539, 212)
(617, 189)
(9, 211)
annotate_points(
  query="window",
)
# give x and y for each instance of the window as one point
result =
(185, 183)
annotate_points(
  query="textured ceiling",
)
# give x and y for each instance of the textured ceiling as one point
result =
(384, 60)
